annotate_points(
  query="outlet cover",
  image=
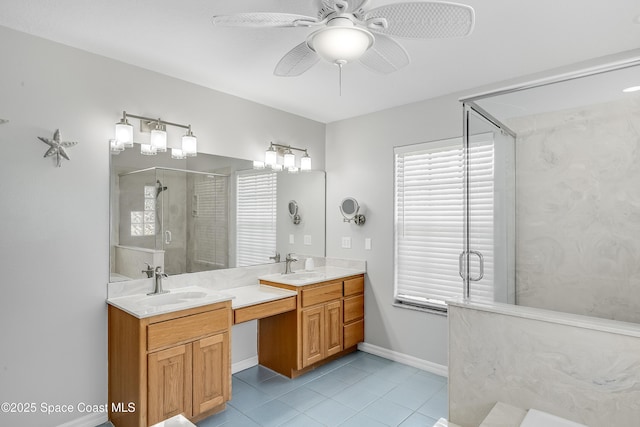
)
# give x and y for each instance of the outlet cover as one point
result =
(307, 239)
(292, 239)
(346, 242)
(367, 243)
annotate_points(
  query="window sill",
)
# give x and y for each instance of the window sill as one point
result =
(424, 309)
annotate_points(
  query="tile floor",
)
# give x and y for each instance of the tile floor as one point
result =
(359, 389)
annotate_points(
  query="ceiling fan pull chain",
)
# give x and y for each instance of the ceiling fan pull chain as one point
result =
(340, 63)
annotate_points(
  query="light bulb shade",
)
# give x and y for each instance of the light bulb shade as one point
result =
(289, 160)
(178, 154)
(124, 133)
(148, 150)
(339, 44)
(159, 139)
(189, 145)
(305, 163)
(116, 146)
(270, 157)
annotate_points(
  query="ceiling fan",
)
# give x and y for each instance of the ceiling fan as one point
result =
(349, 31)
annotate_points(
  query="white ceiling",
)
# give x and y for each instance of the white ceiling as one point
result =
(511, 38)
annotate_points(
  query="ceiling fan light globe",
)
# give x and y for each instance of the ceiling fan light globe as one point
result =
(340, 45)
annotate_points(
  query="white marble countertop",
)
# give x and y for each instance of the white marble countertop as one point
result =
(256, 294)
(143, 305)
(308, 277)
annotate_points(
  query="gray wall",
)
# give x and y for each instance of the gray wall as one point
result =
(55, 221)
(571, 366)
(360, 165)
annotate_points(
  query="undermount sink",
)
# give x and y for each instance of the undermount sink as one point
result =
(302, 275)
(173, 298)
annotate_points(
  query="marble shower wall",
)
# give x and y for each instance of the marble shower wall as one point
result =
(583, 369)
(578, 210)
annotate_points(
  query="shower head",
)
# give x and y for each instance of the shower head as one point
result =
(159, 188)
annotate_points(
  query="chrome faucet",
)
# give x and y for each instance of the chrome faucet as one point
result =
(148, 271)
(287, 266)
(158, 275)
(276, 257)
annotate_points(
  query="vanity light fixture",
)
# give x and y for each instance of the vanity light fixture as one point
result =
(270, 156)
(189, 144)
(116, 146)
(147, 150)
(305, 162)
(124, 132)
(289, 159)
(178, 154)
(158, 139)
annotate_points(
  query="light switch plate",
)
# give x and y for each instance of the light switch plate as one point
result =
(307, 239)
(367, 243)
(346, 242)
(292, 239)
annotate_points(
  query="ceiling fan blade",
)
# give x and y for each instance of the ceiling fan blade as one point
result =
(296, 61)
(385, 56)
(424, 20)
(263, 19)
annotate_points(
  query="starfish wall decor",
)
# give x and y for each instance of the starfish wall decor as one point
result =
(57, 147)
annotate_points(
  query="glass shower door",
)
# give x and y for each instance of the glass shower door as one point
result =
(487, 263)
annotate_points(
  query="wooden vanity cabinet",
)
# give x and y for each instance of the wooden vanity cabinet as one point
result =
(328, 322)
(170, 364)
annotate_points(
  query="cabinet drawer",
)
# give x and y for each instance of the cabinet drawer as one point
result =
(353, 333)
(264, 310)
(354, 286)
(185, 329)
(321, 294)
(353, 308)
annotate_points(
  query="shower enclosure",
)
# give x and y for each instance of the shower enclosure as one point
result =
(173, 218)
(552, 195)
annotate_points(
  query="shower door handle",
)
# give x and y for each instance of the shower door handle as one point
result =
(461, 260)
(167, 237)
(481, 274)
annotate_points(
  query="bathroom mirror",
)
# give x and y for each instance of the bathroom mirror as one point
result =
(208, 213)
(349, 208)
(293, 212)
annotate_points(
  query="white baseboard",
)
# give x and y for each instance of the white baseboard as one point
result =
(425, 365)
(244, 364)
(89, 420)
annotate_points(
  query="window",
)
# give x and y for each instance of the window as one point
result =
(429, 219)
(210, 212)
(255, 217)
(143, 223)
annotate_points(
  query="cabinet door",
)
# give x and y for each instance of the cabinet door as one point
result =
(333, 327)
(313, 340)
(169, 391)
(210, 372)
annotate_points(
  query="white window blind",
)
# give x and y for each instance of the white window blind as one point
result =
(255, 217)
(210, 211)
(429, 219)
